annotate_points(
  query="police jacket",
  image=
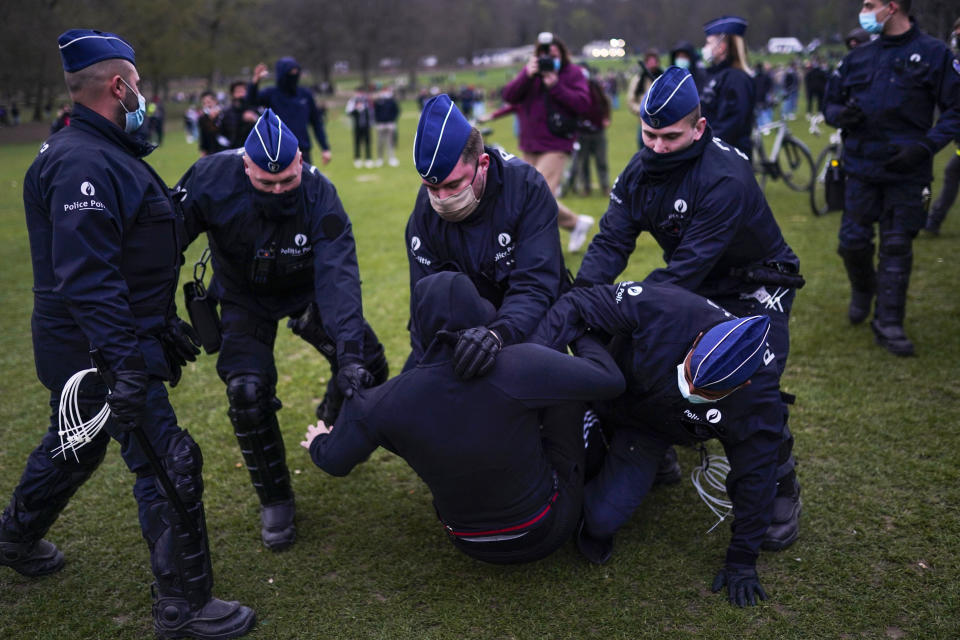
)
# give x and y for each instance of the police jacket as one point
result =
(475, 443)
(105, 250)
(509, 246)
(293, 104)
(705, 210)
(898, 82)
(727, 103)
(275, 262)
(653, 326)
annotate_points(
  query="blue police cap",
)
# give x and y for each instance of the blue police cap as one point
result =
(671, 96)
(729, 353)
(271, 145)
(441, 136)
(732, 25)
(80, 48)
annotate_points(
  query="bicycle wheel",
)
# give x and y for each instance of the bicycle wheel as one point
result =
(796, 164)
(818, 190)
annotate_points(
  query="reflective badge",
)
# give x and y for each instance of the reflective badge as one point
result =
(273, 166)
(87, 189)
(414, 243)
(504, 239)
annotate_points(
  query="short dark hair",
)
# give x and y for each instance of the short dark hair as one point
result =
(208, 93)
(692, 117)
(473, 148)
(903, 4)
(235, 84)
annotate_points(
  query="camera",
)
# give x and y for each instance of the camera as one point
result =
(546, 63)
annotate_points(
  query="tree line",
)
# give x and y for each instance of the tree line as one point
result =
(222, 39)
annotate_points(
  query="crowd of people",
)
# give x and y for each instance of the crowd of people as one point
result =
(524, 446)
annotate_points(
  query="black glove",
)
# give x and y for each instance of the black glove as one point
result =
(353, 377)
(742, 585)
(909, 157)
(475, 352)
(181, 345)
(128, 398)
(851, 117)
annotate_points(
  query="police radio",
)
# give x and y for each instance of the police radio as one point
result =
(202, 308)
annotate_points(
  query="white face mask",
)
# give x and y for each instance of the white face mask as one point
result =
(458, 206)
(684, 387)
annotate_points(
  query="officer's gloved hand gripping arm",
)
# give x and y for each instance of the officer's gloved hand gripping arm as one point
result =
(581, 311)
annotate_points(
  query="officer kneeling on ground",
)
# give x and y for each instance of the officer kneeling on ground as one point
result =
(697, 196)
(503, 453)
(103, 236)
(282, 246)
(884, 96)
(693, 372)
(485, 213)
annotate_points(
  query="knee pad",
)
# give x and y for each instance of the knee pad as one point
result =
(251, 400)
(895, 243)
(184, 464)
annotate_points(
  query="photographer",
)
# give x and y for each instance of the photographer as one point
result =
(550, 94)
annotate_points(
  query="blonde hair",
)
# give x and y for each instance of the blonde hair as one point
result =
(737, 53)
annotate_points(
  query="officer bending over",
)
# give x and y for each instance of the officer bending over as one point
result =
(698, 197)
(693, 372)
(282, 246)
(502, 454)
(103, 238)
(884, 95)
(485, 213)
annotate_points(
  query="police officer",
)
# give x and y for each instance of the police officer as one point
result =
(485, 213)
(693, 372)
(292, 103)
(730, 95)
(103, 237)
(507, 485)
(697, 196)
(883, 95)
(281, 246)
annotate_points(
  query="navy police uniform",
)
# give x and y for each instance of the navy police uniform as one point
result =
(505, 488)
(275, 256)
(727, 102)
(885, 94)
(509, 247)
(104, 239)
(653, 325)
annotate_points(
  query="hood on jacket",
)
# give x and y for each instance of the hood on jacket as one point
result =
(287, 81)
(683, 46)
(447, 302)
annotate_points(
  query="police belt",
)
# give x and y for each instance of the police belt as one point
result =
(507, 532)
(780, 274)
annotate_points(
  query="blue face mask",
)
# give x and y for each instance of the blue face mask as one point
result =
(869, 22)
(134, 118)
(683, 63)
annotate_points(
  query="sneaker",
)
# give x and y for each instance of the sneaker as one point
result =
(378, 163)
(393, 162)
(892, 338)
(578, 237)
(31, 559)
(216, 620)
(357, 164)
(368, 164)
(276, 525)
(596, 550)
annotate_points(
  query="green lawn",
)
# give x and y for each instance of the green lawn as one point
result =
(875, 441)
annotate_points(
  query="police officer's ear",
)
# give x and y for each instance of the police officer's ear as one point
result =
(699, 127)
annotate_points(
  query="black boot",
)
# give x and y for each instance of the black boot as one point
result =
(32, 559)
(863, 281)
(785, 526)
(596, 550)
(668, 472)
(252, 411)
(893, 278)
(180, 557)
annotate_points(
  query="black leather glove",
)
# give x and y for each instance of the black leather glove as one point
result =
(181, 345)
(909, 157)
(742, 583)
(352, 377)
(851, 117)
(128, 398)
(475, 352)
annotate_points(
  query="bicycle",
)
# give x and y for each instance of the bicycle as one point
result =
(829, 157)
(795, 167)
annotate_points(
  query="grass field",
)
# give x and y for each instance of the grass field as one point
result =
(876, 441)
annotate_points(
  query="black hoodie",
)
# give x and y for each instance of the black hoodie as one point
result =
(475, 443)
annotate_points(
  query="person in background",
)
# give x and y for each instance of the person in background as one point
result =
(729, 97)
(361, 116)
(210, 126)
(386, 112)
(951, 174)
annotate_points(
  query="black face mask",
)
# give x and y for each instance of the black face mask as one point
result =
(278, 204)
